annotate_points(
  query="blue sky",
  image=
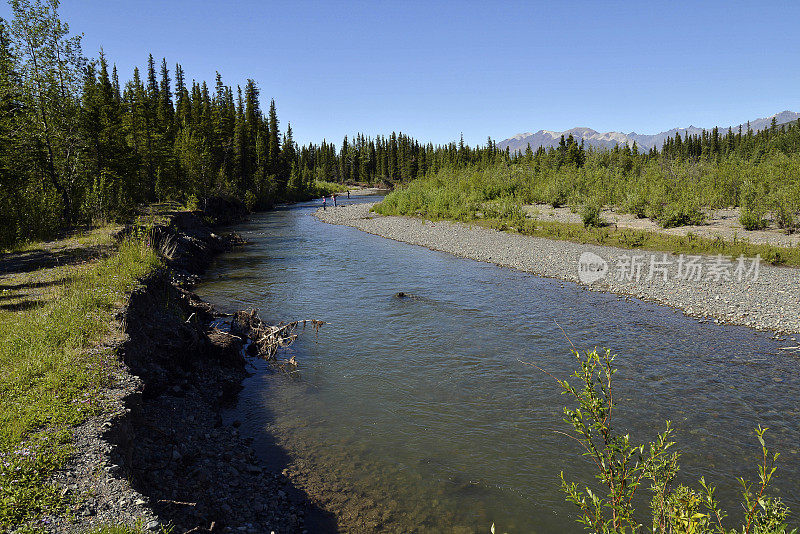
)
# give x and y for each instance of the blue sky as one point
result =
(436, 69)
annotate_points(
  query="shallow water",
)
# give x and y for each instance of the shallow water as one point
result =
(416, 414)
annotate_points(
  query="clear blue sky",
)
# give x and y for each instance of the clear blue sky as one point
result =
(435, 69)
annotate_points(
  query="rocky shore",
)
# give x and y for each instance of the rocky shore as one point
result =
(160, 456)
(718, 289)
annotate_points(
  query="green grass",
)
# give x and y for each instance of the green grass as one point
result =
(54, 361)
(100, 235)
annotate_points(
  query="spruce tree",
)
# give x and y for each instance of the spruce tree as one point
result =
(274, 143)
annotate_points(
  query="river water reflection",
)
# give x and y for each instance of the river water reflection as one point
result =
(415, 414)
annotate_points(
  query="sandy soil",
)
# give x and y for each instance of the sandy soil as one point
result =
(719, 223)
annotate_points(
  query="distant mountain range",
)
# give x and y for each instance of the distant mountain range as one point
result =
(547, 138)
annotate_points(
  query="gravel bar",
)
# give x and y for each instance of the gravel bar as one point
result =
(713, 287)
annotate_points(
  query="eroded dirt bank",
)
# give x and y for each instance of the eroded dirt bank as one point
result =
(160, 454)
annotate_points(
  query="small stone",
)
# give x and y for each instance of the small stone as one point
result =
(152, 525)
(139, 502)
(89, 510)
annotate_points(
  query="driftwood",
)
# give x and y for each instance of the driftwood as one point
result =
(267, 339)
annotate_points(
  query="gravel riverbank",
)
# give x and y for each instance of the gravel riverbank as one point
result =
(726, 290)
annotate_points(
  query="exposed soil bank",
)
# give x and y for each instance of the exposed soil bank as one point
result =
(160, 454)
(770, 300)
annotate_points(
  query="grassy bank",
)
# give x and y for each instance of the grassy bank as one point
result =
(493, 196)
(55, 359)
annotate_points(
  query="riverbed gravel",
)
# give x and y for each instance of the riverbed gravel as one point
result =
(724, 290)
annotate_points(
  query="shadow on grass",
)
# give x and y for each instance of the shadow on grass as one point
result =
(22, 305)
(32, 260)
(33, 285)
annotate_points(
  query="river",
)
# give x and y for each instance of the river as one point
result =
(415, 414)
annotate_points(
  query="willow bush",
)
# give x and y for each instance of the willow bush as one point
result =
(674, 193)
(624, 469)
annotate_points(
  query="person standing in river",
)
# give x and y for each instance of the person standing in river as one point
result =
(348, 194)
(323, 202)
(334, 200)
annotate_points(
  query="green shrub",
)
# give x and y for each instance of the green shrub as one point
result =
(321, 188)
(786, 220)
(632, 239)
(774, 257)
(192, 204)
(752, 220)
(623, 468)
(527, 226)
(250, 200)
(636, 204)
(503, 208)
(557, 194)
(590, 215)
(675, 215)
(785, 212)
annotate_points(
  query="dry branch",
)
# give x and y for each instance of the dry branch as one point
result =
(267, 339)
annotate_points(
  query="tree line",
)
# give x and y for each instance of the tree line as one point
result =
(399, 158)
(390, 159)
(709, 144)
(76, 145)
